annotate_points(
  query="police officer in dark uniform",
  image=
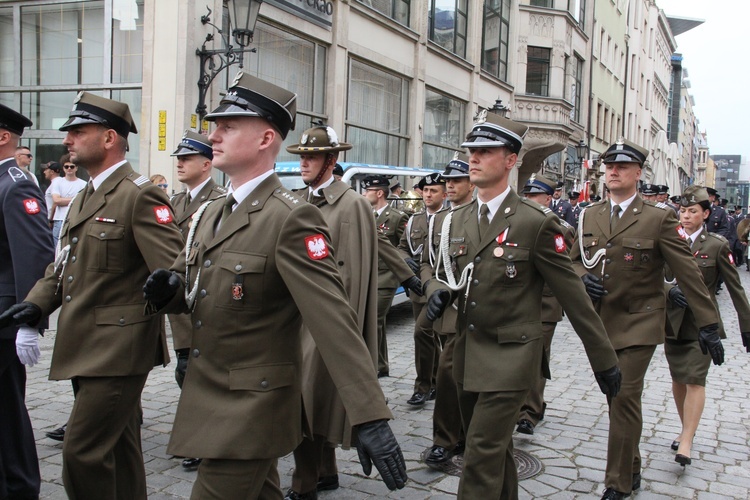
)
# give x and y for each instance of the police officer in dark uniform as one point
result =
(662, 193)
(194, 155)
(649, 191)
(575, 210)
(718, 222)
(25, 251)
(560, 206)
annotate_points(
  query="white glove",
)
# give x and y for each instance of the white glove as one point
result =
(27, 345)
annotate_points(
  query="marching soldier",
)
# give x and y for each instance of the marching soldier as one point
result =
(496, 254)
(688, 361)
(25, 252)
(447, 432)
(717, 222)
(539, 189)
(426, 342)
(194, 155)
(575, 208)
(662, 193)
(258, 264)
(117, 231)
(353, 238)
(390, 223)
(620, 251)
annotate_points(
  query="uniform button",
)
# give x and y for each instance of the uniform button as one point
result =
(102, 235)
(203, 293)
(198, 324)
(648, 308)
(471, 328)
(207, 264)
(74, 239)
(473, 304)
(341, 262)
(264, 384)
(238, 267)
(122, 321)
(510, 257)
(478, 260)
(476, 282)
(606, 276)
(606, 292)
(609, 261)
(638, 245)
(523, 337)
(70, 279)
(609, 245)
(67, 298)
(196, 353)
(73, 259)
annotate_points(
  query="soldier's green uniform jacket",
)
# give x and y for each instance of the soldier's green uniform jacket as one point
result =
(552, 311)
(391, 224)
(445, 324)
(183, 212)
(714, 259)
(500, 345)
(352, 226)
(268, 267)
(647, 236)
(124, 232)
(413, 240)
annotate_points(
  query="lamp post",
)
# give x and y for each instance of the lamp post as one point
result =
(500, 109)
(582, 151)
(243, 14)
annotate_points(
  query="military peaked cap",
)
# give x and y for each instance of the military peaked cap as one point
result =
(493, 131)
(13, 121)
(624, 151)
(193, 143)
(538, 184)
(375, 182)
(435, 179)
(251, 96)
(649, 189)
(90, 108)
(458, 167)
(662, 189)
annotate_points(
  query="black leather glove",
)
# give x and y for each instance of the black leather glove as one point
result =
(436, 304)
(24, 313)
(377, 445)
(710, 342)
(414, 285)
(677, 297)
(161, 287)
(593, 288)
(609, 381)
(746, 340)
(412, 265)
(181, 368)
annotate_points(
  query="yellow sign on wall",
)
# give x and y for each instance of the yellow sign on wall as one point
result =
(162, 130)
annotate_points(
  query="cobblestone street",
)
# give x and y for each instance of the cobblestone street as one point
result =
(570, 442)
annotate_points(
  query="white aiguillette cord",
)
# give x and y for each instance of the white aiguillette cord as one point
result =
(587, 262)
(191, 292)
(444, 256)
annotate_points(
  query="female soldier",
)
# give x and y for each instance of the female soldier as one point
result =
(686, 352)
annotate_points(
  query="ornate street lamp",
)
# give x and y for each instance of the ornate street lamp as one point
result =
(243, 14)
(500, 109)
(574, 166)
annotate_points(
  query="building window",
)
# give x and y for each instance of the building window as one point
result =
(541, 3)
(296, 64)
(398, 10)
(67, 47)
(537, 71)
(447, 24)
(443, 129)
(495, 27)
(578, 89)
(376, 114)
(582, 14)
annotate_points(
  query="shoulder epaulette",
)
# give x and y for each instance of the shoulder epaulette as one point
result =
(564, 223)
(288, 197)
(719, 237)
(662, 205)
(139, 181)
(17, 174)
(537, 206)
(220, 189)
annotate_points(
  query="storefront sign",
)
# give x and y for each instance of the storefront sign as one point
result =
(318, 12)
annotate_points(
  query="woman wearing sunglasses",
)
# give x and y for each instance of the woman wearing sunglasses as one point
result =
(160, 181)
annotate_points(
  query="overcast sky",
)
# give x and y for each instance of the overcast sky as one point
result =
(715, 55)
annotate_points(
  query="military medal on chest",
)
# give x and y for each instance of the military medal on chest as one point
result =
(237, 289)
(510, 270)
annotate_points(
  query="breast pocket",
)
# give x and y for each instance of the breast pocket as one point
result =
(106, 248)
(511, 267)
(637, 253)
(241, 281)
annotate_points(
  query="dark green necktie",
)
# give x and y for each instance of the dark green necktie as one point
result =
(484, 219)
(227, 211)
(615, 217)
